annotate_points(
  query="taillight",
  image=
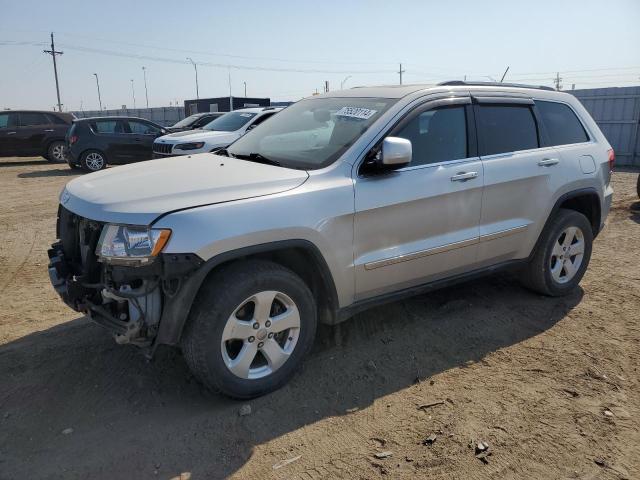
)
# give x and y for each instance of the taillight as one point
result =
(612, 159)
(74, 138)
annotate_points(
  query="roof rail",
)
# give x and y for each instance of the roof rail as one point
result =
(453, 83)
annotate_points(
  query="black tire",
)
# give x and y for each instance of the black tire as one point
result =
(90, 161)
(221, 295)
(73, 166)
(537, 274)
(57, 152)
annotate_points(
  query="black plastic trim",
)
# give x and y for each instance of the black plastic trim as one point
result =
(176, 309)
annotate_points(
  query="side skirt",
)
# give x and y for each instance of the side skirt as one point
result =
(347, 312)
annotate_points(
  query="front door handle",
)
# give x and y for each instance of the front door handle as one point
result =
(548, 162)
(464, 176)
(49, 130)
(11, 133)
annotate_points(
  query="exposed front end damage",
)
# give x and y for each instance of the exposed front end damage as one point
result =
(127, 300)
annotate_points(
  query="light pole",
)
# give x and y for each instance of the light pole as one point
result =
(146, 94)
(196, 69)
(344, 81)
(133, 93)
(245, 89)
(98, 85)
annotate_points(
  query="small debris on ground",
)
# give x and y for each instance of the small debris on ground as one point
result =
(244, 410)
(371, 365)
(408, 459)
(600, 462)
(481, 447)
(67, 431)
(351, 410)
(429, 405)
(380, 440)
(381, 455)
(286, 462)
(482, 451)
(430, 440)
(608, 413)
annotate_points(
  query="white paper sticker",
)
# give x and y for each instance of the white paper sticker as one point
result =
(356, 112)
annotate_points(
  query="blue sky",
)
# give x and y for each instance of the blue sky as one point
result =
(287, 49)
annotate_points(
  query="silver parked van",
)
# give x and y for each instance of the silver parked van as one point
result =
(339, 202)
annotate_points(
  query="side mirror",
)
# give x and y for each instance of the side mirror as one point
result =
(396, 152)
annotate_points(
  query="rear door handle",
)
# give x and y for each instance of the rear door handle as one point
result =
(548, 162)
(464, 176)
(49, 130)
(11, 133)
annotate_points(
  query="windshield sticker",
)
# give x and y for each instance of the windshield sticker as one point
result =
(356, 112)
(245, 115)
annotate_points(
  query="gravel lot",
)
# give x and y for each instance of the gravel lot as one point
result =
(552, 385)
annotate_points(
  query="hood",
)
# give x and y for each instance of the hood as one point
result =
(138, 193)
(192, 135)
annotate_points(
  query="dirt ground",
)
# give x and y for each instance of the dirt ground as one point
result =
(552, 385)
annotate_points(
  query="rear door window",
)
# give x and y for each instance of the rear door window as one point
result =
(506, 128)
(33, 119)
(107, 126)
(142, 128)
(561, 124)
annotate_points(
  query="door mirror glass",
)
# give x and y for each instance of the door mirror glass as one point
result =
(396, 152)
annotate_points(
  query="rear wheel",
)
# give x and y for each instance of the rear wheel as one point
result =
(250, 327)
(562, 256)
(93, 161)
(57, 152)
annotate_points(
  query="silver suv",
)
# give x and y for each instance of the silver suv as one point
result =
(340, 202)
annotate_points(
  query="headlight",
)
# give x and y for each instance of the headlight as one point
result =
(131, 245)
(189, 146)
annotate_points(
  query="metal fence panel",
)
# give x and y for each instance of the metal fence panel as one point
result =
(616, 110)
(165, 116)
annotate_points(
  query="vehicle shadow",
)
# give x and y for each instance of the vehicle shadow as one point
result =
(635, 212)
(66, 172)
(134, 418)
(23, 163)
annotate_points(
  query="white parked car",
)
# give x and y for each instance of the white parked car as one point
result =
(220, 133)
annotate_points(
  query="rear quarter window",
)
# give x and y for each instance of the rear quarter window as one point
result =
(561, 123)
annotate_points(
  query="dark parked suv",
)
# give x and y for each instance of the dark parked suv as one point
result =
(195, 121)
(26, 133)
(95, 142)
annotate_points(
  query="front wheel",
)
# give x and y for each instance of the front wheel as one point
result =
(562, 256)
(93, 161)
(250, 327)
(57, 152)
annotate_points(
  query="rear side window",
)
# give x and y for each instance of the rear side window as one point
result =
(107, 126)
(30, 119)
(55, 119)
(506, 128)
(437, 135)
(562, 125)
(4, 120)
(142, 128)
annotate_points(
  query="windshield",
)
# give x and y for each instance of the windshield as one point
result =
(186, 122)
(229, 122)
(311, 133)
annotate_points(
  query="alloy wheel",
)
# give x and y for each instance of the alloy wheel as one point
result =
(567, 254)
(59, 152)
(94, 161)
(260, 335)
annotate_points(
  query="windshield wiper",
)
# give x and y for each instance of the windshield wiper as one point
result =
(223, 151)
(258, 158)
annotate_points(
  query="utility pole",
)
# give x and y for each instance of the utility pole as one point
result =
(557, 81)
(133, 93)
(326, 86)
(196, 69)
(245, 89)
(400, 72)
(344, 81)
(53, 53)
(230, 96)
(98, 85)
(146, 93)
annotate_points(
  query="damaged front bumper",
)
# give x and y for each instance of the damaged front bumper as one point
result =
(129, 301)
